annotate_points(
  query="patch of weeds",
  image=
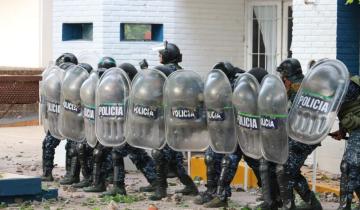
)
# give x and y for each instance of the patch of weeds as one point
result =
(44, 187)
(90, 202)
(245, 208)
(183, 205)
(121, 199)
(232, 204)
(3, 205)
(96, 208)
(47, 207)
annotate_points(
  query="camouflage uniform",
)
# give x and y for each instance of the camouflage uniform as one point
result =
(221, 170)
(141, 160)
(350, 164)
(298, 153)
(168, 159)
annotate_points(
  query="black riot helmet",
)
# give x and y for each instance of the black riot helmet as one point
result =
(237, 70)
(170, 53)
(86, 66)
(229, 70)
(289, 67)
(106, 63)
(66, 58)
(129, 69)
(259, 73)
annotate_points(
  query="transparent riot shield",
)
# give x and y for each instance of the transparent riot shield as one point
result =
(71, 119)
(42, 98)
(247, 119)
(111, 97)
(317, 102)
(52, 89)
(87, 95)
(220, 112)
(272, 109)
(185, 114)
(145, 123)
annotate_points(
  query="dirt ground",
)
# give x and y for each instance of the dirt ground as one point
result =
(20, 152)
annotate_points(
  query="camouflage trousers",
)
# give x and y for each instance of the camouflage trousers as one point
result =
(225, 167)
(139, 157)
(298, 153)
(350, 167)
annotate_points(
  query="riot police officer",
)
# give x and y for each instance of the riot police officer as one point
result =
(139, 157)
(221, 168)
(50, 143)
(166, 158)
(292, 76)
(350, 165)
(102, 166)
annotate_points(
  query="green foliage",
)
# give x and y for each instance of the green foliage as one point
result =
(136, 31)
(90, 202)
(121, 199)
(351, 1)
(3, 205)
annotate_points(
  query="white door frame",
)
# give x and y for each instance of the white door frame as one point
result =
(249, 24)
(285, 21)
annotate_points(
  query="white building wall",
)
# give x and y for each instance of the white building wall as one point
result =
(314, 30)
(77, 11)
(205, 32)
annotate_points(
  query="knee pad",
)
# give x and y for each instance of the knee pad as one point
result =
(157, 154)
(264, 166)
(81, 148)
(279, 169)
(97, 154)
(115, 156)
(209, 160)
(344, 167)
(225, 162)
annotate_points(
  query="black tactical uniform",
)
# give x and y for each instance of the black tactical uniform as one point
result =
(166, 158)
(221, 168)
(50, 142)
(139, 157)
(103, 163)
(291, 73)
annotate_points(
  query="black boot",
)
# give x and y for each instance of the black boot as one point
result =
(161, 173)
(74, 176)
(190, 187)
(211, 184)
(268, 203)
(87, 179)
(68, 157)
(98, 180)
(47, 175)
(285, 192)
(150, 188)
(345, 195)
(220, 200)
(210, 192)
(119, 176)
